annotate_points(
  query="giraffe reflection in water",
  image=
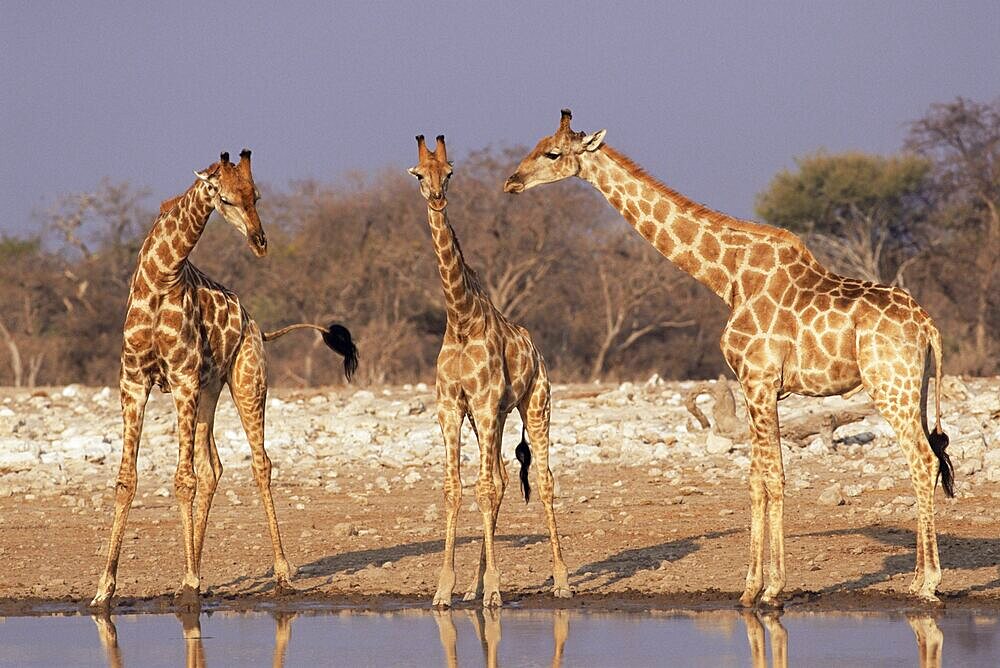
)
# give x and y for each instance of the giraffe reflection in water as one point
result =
(486, 623)
(930, 639)
(194, 649)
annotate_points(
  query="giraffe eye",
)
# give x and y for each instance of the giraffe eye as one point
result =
(225, 201)
(553, 155)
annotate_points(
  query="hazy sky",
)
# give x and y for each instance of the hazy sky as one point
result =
(712, 97)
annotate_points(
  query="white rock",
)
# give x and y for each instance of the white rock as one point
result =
(886, 482)
(832, 496)
(412, 477)
(718, 445)
(817, 446)
(71, 391)
(853, 490)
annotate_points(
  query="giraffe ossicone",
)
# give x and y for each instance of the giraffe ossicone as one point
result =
(191, 336)
(487, 367)
(795, 327)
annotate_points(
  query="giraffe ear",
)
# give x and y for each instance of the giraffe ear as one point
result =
(413, 171)
(593, 142)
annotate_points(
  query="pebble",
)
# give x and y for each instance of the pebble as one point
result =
(832, 496)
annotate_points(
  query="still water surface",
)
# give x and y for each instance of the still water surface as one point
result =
(504, 638)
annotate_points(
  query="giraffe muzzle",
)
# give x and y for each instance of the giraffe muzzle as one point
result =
(258, 244)
(513, 185)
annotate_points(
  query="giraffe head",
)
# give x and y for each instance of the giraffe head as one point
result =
(235, 196)
(555, 157)
(433, 171)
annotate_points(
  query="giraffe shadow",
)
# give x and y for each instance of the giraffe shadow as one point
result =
(625, 564)
(956, 552)
(347, 563)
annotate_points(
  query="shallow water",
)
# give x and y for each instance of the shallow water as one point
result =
(504, 638)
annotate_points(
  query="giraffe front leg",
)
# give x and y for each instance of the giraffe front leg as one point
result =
(755, 571)
(767, 483)
(450, 417)
(207, 465)
(185, 393)
(133, 399)
(499, 473)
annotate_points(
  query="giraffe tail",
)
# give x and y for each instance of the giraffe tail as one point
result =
(523, 454)
(938, 439)
(336, 337)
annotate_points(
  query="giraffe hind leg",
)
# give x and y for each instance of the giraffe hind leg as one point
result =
(536, 415)
(248, 387)
(892, 372)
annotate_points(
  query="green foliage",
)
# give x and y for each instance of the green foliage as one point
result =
(826, 189)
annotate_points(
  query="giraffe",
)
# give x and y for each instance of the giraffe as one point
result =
(487, 367)
(795, 327)
(191, 336)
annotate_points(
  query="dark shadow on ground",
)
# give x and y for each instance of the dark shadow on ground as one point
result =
(352, 562)
(954, 551)
(627, 563)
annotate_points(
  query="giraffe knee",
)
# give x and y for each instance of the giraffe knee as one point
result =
(453, 497)
(125, 488)
(184, 486)
(486, 493)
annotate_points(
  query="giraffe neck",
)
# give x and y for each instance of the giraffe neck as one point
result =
(710, 246)
(457, 280)
(175, 234)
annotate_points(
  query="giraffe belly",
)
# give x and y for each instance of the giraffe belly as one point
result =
(837, 377)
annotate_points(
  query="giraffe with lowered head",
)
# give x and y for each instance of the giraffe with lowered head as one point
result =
(487, 367)
(191, 336)
(795, 327)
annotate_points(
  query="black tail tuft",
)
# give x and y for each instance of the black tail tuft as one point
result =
(338, 338)
(523, 454)
(939, 443)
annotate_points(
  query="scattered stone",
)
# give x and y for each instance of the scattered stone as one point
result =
(832, 496)
(853, 490)
(718, 445)
(343, 530)
(886, 482)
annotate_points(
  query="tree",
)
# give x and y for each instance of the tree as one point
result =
(962, 140)
(633, 280)
(864, 213)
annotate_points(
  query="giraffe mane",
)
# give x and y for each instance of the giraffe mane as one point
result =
(688, 205)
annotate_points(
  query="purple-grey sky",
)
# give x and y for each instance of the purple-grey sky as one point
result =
(711, 97)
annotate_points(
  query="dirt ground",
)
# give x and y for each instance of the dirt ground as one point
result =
(629, 540)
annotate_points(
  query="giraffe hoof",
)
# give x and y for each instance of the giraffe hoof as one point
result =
(442, 601)
(101, 601)
(930, 600)
(562, 592)
(771, 603)
(470, 596)
(284, 589)
(747, 600)
(187, 598)
(492, 600)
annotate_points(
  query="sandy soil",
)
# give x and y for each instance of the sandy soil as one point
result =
(659, 533)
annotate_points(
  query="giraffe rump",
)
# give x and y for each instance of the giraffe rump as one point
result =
(523, 454)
